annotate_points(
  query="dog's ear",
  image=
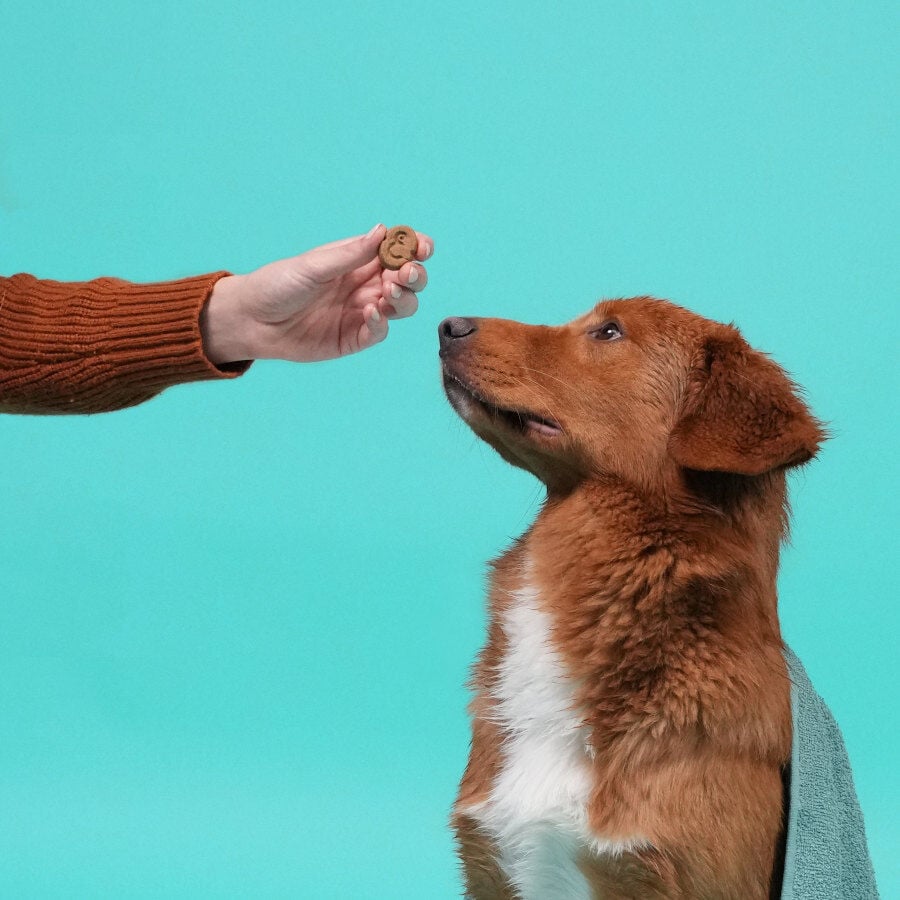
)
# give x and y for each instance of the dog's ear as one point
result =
(741, 413)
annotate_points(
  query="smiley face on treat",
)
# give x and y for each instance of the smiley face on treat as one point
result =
(399, 246)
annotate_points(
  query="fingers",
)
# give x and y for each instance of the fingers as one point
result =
(411, 275)
(399, 288)
(399, 302)
(425, 248)
(342, 257)
(374, 328)
(333, 260)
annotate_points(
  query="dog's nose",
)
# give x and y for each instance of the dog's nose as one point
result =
(454, 328)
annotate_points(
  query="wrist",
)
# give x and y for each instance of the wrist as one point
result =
(222, 326)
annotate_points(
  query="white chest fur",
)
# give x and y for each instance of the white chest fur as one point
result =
(537, 810)
(536, 813)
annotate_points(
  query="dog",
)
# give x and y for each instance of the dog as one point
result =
(631, 719)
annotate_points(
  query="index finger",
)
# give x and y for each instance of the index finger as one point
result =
(425, 246)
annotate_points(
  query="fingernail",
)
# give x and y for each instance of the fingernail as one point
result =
(429, 249)
(376, 316)
(396, 291)
(374, 230)
(413, 276)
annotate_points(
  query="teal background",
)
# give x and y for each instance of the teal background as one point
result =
(236, 621)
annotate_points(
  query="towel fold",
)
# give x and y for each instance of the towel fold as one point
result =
(827, 857)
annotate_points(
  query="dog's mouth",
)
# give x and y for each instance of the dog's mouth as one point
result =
(465, 398)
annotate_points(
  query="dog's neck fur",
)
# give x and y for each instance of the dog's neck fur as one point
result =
(664, 641)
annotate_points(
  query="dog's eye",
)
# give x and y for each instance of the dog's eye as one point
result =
(608, 331)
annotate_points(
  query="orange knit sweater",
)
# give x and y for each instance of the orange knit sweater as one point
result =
(95, 346)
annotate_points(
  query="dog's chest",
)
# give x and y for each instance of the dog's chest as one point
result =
(536, 813)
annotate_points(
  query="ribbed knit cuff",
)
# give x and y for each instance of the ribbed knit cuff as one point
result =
(95, 346)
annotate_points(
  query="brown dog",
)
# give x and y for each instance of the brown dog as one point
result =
(631, 717)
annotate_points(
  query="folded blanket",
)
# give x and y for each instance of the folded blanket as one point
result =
(826, 857)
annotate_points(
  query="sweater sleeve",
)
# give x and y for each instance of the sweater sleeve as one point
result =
(96, 346)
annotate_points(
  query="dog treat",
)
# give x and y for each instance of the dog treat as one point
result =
(399, 246)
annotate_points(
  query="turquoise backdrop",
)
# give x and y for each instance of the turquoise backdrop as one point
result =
(236, 621)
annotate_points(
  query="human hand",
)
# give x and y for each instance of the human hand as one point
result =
(327, 302)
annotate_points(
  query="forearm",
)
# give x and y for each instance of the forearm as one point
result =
(223, 327)
(99, 345)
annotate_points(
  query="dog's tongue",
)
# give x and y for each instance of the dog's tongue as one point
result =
(541, 427)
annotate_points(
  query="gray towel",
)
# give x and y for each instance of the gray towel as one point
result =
(826, 856)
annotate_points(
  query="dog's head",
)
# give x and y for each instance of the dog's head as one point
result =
(634, 389)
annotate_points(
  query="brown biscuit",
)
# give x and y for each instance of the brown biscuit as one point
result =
(399, 246)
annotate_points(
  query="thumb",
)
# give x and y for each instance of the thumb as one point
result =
(332, 260)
